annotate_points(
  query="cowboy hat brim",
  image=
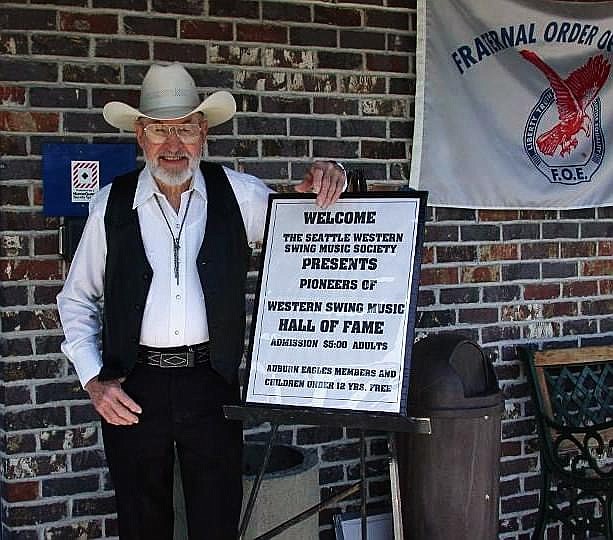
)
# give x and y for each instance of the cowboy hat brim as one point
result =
(218, 108)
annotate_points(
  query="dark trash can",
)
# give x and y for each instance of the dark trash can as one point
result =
(449, 480)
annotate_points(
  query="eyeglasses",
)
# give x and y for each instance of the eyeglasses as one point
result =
(187, 133)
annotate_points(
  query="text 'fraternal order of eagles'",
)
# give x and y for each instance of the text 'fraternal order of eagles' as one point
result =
(332, 311)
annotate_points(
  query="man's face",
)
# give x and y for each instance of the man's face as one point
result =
(171, 160)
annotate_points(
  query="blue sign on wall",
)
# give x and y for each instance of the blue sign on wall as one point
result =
(73, 173)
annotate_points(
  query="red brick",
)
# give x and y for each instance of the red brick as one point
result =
(91, 73)
(597, 268)
(478, 315)
(12, 95)
(498, 252)
(13, 45)
(14, 195)
(520, 312)
(351, 39)
(480, 274)
(560, 309)
(179, 52)
(400, 43)
(198, 29)
(384, 150)
(539, 250)
(597, 307)
(38, 196)
(101, 96)
(288, 59)
(387, 62)
(234, 8)
(19, 516)
(150, 26)
(46, 245)
(606, 286)
(40, 319)
(366, 84)
(14, 245)
(335, 106)
(578, 249)
(28, 121)
(27, 19)
(286, 11)
(387, 19)
(21, 491)
(26, 70)
(261, 33)
(60, 45)
(13, 145)
(82, 22)
(189, 7)
(438, 276)
(30, 270)
(580, 288)
(542, 292)
(427, 255)
(605, 248)
(538, 215)
(114, 48)
(45, 294)
(339, 60)
(132, 5)
(384, 107)
(498, 215)
(312, 36)
(338, 16)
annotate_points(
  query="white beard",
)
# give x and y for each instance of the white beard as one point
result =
(174, 178)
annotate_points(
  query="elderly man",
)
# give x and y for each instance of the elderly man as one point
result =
(167, 248)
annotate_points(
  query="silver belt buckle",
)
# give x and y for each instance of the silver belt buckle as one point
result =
(168, 360)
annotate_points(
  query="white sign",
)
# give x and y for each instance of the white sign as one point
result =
(334, 303)
(84, 180)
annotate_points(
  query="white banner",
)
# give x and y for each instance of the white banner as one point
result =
(514, 104)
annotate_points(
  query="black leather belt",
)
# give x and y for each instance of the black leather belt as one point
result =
(174, 357)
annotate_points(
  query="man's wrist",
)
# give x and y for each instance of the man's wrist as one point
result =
(341, 168)
(339, 165)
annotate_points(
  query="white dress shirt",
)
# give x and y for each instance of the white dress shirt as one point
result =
(175, 314)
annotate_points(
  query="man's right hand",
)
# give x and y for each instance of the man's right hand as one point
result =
(112, 403)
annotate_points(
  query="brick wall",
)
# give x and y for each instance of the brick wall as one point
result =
(312, 79)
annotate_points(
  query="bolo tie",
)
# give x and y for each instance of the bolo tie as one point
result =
(176, 246)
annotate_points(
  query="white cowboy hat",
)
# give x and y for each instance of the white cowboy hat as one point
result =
(169, 93)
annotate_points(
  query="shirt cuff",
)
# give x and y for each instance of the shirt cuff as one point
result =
(86, 361)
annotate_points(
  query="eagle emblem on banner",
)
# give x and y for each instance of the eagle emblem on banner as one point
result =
(571, 150)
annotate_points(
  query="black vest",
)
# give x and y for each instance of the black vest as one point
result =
(222, 266)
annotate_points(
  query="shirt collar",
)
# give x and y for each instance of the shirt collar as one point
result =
(147, 188)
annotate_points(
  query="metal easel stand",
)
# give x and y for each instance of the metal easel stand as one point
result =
(363, 421)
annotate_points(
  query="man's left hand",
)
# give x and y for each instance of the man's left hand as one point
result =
(326, 179)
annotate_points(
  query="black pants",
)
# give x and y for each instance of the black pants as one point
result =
(180, 406)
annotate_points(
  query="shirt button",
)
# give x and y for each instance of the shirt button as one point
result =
(178, 297)
(176, 332)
